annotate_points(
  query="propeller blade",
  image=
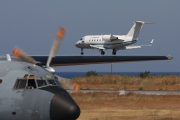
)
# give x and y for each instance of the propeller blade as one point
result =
(23, 56)
(68, 84)
(56, 45)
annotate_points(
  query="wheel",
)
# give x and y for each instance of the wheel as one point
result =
(114, 52)
(102, 52)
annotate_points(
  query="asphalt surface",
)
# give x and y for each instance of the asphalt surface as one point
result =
(123, 92)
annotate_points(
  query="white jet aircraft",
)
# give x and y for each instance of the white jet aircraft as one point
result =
(114, 42)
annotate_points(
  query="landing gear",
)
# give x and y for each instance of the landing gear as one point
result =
(82, 51)
(114, 52)
(102, 52)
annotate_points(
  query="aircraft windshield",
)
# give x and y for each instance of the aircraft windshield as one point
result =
(20, 84)
(51, 82)
(41, 83)
(31, 84)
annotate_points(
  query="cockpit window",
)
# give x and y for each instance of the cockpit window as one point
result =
(41, 83)
(51, 82)
(81, 38)
(31, 84)
(20, 84)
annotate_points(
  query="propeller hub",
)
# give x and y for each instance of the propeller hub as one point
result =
(50, 69)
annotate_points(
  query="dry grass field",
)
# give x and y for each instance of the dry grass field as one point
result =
(117, 82)
(112, 106)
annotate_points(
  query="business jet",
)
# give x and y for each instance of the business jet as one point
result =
(114, 42)
(30, 89)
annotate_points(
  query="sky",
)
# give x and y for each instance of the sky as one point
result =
(32, 24)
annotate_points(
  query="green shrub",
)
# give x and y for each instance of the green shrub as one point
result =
(91, 73)
(144, 74)
(141, 88)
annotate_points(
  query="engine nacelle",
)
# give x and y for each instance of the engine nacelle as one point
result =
(109, 37)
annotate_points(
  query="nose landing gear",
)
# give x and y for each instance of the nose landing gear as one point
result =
(82, 51)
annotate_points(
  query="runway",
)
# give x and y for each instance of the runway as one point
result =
(124, 92)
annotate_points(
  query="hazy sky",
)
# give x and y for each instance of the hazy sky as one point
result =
(32, 25)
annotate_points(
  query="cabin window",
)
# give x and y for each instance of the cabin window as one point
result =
(51, 82)
(41, 83)
(20, 84)
(31, 84)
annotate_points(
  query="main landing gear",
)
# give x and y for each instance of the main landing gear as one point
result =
(102, 52)
(114, 52)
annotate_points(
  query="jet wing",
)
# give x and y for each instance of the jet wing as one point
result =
(139, 46)
(119, 40)
(98, 47)
(83, 60)
(132, 47)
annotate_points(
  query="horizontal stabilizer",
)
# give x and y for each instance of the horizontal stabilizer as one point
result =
(141, 22)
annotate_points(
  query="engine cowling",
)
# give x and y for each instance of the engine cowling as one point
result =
(109, 37)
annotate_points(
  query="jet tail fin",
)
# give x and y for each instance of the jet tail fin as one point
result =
(135, 30)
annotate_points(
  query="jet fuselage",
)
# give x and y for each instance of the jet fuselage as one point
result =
(87, 42)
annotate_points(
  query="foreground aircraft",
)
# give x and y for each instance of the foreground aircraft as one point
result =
(30, 89)
(114, 42)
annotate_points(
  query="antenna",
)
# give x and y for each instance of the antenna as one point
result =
(8, 57)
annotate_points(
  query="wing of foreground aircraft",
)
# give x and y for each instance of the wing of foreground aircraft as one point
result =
(84, 60)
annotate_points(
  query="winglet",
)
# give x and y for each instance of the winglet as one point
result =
(152, 41)
(150, 44)
(169, 58)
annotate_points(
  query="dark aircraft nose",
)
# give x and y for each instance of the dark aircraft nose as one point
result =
(63, 107)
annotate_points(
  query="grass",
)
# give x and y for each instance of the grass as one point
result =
(105, 106)
(169, 82)
(112, 106)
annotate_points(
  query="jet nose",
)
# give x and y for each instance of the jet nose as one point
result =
(63, 107)
(77, 44)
